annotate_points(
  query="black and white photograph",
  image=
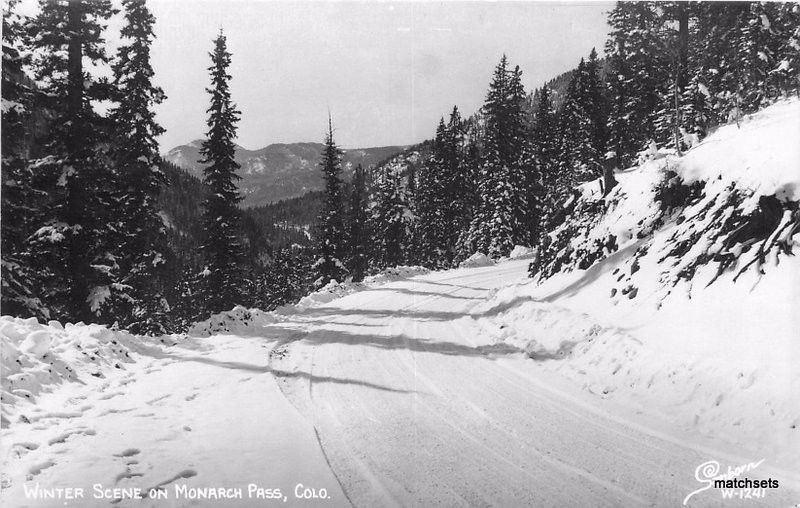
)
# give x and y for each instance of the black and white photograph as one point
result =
(400, 254)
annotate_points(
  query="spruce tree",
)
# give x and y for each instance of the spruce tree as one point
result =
(544, 138)
(391, 218)
(597, 104)
(761, 42)
(582, 127)
(359, 240)
(786, 26)
(18, 197)
(143, 251)
(431, 195)
(638, 77)
(73, 243)
(331, 245)
(622, 140)
(499, 220)
(222, 279)
(458, 185)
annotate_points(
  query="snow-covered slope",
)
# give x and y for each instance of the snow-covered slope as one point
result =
(37, 358)
(680, 291)
(85, 407)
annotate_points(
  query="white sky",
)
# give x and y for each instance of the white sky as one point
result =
(386, 71)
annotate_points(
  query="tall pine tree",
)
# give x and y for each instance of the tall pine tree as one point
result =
(74, 244)
(143, 251)
(639, 69)
(431, 231)
(331, 245)
(544, 138)
(499, 220)
(391, 217)
(222, 279)
(359, 240)
(18, 197)
(582, 127)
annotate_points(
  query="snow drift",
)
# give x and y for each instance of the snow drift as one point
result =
(239, 321)
(243, 321)
(522, 252)
(476, 260)
(35, 358)
(679, 291)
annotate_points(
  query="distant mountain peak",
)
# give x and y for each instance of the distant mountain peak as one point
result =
(279, 170)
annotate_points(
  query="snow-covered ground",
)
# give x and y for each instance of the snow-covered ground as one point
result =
(607, 382)
(164, 414)
(399, 393)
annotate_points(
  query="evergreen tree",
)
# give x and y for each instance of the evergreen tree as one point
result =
(391, 218)
(73, 243)
(622, 140)
(18, 197)
(639, 74)
(671, 30)
(358, 236)
(285, 280)
(331, 245)
(431, 226)
(582, 127)
(760, 46)
(596, 104)
(786, 27)
(459, 193)
(544, 139)
(222, 277)
(143, 254)
(499, 220)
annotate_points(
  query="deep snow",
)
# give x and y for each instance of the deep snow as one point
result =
(401, 393)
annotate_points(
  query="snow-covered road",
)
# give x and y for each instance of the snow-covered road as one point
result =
(415, 406)
(393, 395)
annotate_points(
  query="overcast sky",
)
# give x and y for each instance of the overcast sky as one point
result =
(386, 71)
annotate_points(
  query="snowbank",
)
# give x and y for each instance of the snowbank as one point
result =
(242, 321)
(35, 357)
(680, 291)
(522, 252)
(238, 321)
(762, 154)
(476, 260)
(334, 289)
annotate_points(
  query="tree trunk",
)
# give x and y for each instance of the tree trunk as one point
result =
(75, 198)
(609, 182)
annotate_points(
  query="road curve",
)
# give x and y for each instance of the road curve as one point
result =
(412, 407)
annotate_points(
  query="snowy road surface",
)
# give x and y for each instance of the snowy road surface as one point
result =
(393, 395)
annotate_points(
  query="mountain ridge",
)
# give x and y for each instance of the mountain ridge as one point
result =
(279, 170)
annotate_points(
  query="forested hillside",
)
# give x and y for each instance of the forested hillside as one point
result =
(507, 174)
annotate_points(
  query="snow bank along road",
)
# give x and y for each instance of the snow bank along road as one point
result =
(393, 395)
